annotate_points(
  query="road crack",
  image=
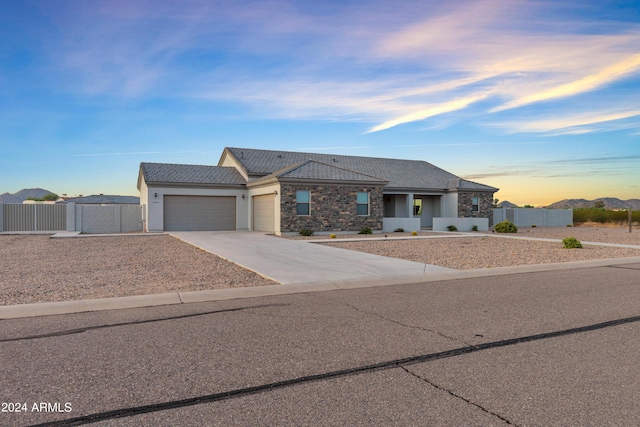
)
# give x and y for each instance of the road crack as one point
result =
(457, 396)
(397, 322)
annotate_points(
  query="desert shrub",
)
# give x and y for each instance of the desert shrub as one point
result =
(474, 228)
(452, 227)
(365, 230)
(306, 232)
(414, 233)
(533, 225)
(571, 243)
(399, 230)
(332, 236)
(505, 227)
(602, 215)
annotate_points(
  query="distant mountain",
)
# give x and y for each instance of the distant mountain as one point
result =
(609, 203)
(24, 194)
(9, 198)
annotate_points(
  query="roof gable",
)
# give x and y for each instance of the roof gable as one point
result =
(318, 171)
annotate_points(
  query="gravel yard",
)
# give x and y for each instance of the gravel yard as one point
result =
(586, 233)
(466, 253)
(40, 269)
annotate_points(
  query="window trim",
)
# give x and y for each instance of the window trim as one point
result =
(307, 203)
(358, 204)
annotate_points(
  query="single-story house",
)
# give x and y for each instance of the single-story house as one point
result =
(102, 199)
(283, 192)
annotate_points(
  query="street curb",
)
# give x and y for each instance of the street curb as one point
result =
(139, 301)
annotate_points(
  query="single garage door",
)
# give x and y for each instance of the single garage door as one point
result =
(199, 213)
(264, 213)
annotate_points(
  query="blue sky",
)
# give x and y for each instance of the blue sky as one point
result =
(538, 98)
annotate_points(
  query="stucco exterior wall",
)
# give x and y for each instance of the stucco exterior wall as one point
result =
(332, 208)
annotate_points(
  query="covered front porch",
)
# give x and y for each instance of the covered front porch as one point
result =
(414, 211)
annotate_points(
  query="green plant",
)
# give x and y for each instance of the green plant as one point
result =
(505, 227)
(474, 228)
(306, 232)
(452, 227)
(414, 233)
(365, 230)
(533, 225)
(332, 236)
(399, 230)
(571, 243)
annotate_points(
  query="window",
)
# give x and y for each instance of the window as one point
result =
(302, 202)
(362, 200)
(474, 204)
(417, 207)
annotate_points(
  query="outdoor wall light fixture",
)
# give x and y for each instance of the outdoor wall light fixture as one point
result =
(275, 193)
(243, 197)
(155, 195)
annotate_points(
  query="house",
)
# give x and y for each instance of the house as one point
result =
(101, 199)
(284, 192)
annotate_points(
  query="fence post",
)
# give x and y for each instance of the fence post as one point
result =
(1, 217)
(630, 219)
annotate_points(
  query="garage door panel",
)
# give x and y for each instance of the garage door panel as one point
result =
(264, 213)
(199, 213)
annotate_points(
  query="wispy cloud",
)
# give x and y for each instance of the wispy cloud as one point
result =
(383, 66)
(422, 114)
(573, 124)
(590, 82)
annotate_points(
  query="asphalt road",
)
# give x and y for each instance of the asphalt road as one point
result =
(538, 349)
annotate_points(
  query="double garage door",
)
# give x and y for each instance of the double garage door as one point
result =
(199, 213)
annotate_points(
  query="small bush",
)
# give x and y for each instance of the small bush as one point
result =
(474, 228)
(533, 225)
(571, 243)
(399, 230)
(452, 227)
(414, 233)
(505, 227)
(332, 236)
(306, 232)
(365, 230)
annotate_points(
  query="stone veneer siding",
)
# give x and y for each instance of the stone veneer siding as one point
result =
(332, 208)
(485, 206)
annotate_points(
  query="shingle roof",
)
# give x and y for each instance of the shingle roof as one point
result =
(97, 199)
(401, 174)
(190, 174)
(314, 170)
(463, 184)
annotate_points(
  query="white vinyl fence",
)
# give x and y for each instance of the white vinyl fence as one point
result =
(526, 217)
(33, 217)
(88, 219)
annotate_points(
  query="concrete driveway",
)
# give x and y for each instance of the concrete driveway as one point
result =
(299, 261)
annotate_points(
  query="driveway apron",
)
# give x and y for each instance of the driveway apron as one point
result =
(299, 261)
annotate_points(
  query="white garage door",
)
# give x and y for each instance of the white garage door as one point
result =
(264, 213)
(199, 213)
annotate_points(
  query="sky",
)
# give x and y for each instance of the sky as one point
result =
(538, 98)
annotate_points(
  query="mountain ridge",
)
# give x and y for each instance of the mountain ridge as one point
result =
(609, 203)
(24, 194)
